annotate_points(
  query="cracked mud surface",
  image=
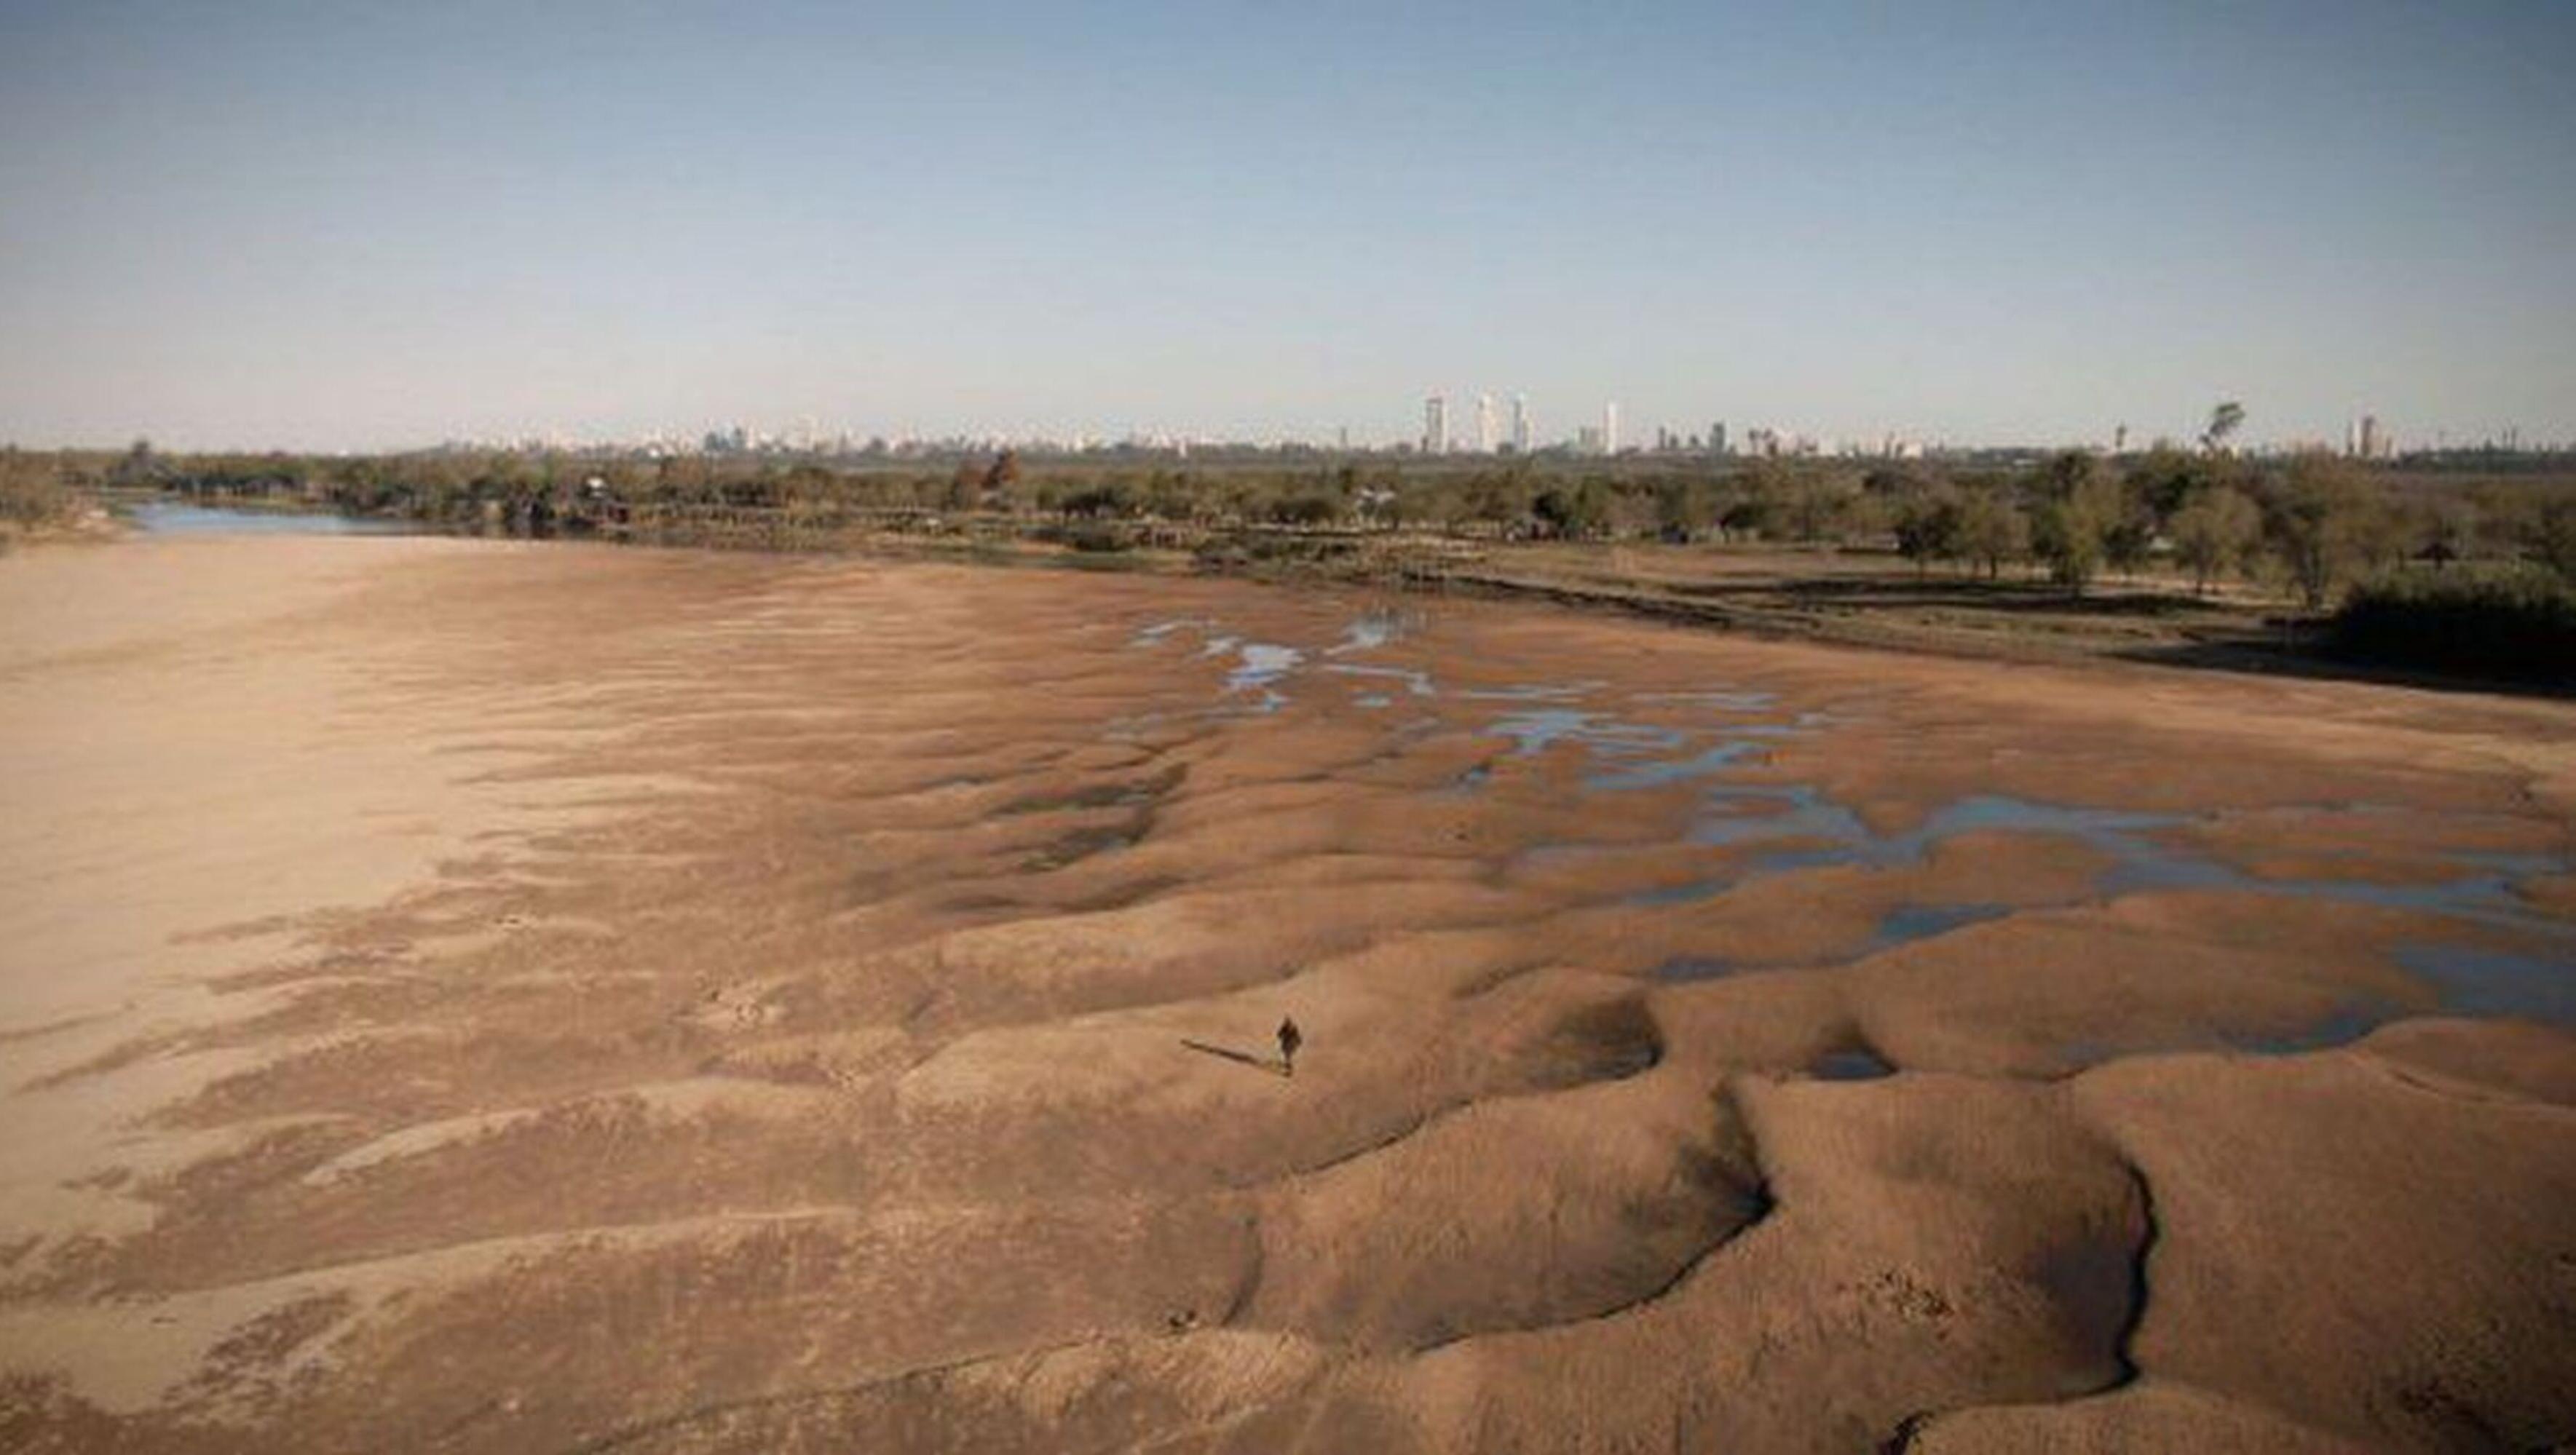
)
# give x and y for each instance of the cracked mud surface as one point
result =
(470, 997)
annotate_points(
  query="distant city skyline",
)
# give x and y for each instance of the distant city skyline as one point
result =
(2365, 436)
(268, 225)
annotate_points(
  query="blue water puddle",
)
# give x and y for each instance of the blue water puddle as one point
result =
(2140, 861)
(1901, 925)
(2338, 1027)
(1634, 755)
(1701, 967)
(1850, 1065)
(1251, 684)
(170, 517)
(1372, 630)
(1629, 755)
(1922, 921)
(1261, 664)
(1686, 893)
(2495, 982)
(1788, 828)
(1809, 815)
(1535, 730)
(2511, 866)
(2468, 980)
(1255, 683)
(1704, 763)
(1973, 814)
(1815, 832)
(2480, 899)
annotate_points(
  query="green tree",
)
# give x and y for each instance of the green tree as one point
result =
(2224, 421)
(1001, 481)
(2215, 534)
(2551, 536)
(2166, 479)
(32, 492)
(2130, 535)
(1751, 507)
(1931, 525)
(1817, 504)
(1111, 498)
(1991, 531)
(1682, 509)
(138, 466)
(2079, 510)
(2313, 523)
(2383, 533)
(1494, 497)
(2450, 530)
(1574, 514)
(1168, 496)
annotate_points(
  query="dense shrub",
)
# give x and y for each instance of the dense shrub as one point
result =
(1310, 508)
(1091, 535)
(2519, 625)
(32, 492)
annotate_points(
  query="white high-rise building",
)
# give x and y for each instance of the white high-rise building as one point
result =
(1520, 424)
(1435, 425)
(1487, 434)
(1610, 428)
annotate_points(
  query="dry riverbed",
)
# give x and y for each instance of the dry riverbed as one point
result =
(468, 996)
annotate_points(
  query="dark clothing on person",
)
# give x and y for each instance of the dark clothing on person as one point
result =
(1289, 1041)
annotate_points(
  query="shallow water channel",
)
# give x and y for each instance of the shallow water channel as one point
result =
(1790, 827)
(175, 517)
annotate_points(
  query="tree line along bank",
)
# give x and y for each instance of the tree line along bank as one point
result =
(2411, 558)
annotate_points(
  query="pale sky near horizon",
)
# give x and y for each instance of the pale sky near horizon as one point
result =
(359, 225)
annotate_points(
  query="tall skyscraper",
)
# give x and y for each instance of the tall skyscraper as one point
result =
(2373, 443)
(1486, 434)
(1610, 428)
(1717, 438)
(1435, 425)
(1520, 424)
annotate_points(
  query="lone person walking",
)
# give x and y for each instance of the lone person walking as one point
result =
(1289, 1040)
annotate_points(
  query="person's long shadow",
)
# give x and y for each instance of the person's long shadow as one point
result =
(1257, 1063)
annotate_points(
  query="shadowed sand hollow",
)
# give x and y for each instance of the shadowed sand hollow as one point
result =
(460, 996)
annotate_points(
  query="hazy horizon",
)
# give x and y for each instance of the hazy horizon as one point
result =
(376, 227)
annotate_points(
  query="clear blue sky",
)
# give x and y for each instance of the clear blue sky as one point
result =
(355, 224)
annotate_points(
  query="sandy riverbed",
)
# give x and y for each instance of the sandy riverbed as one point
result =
(475, 997)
